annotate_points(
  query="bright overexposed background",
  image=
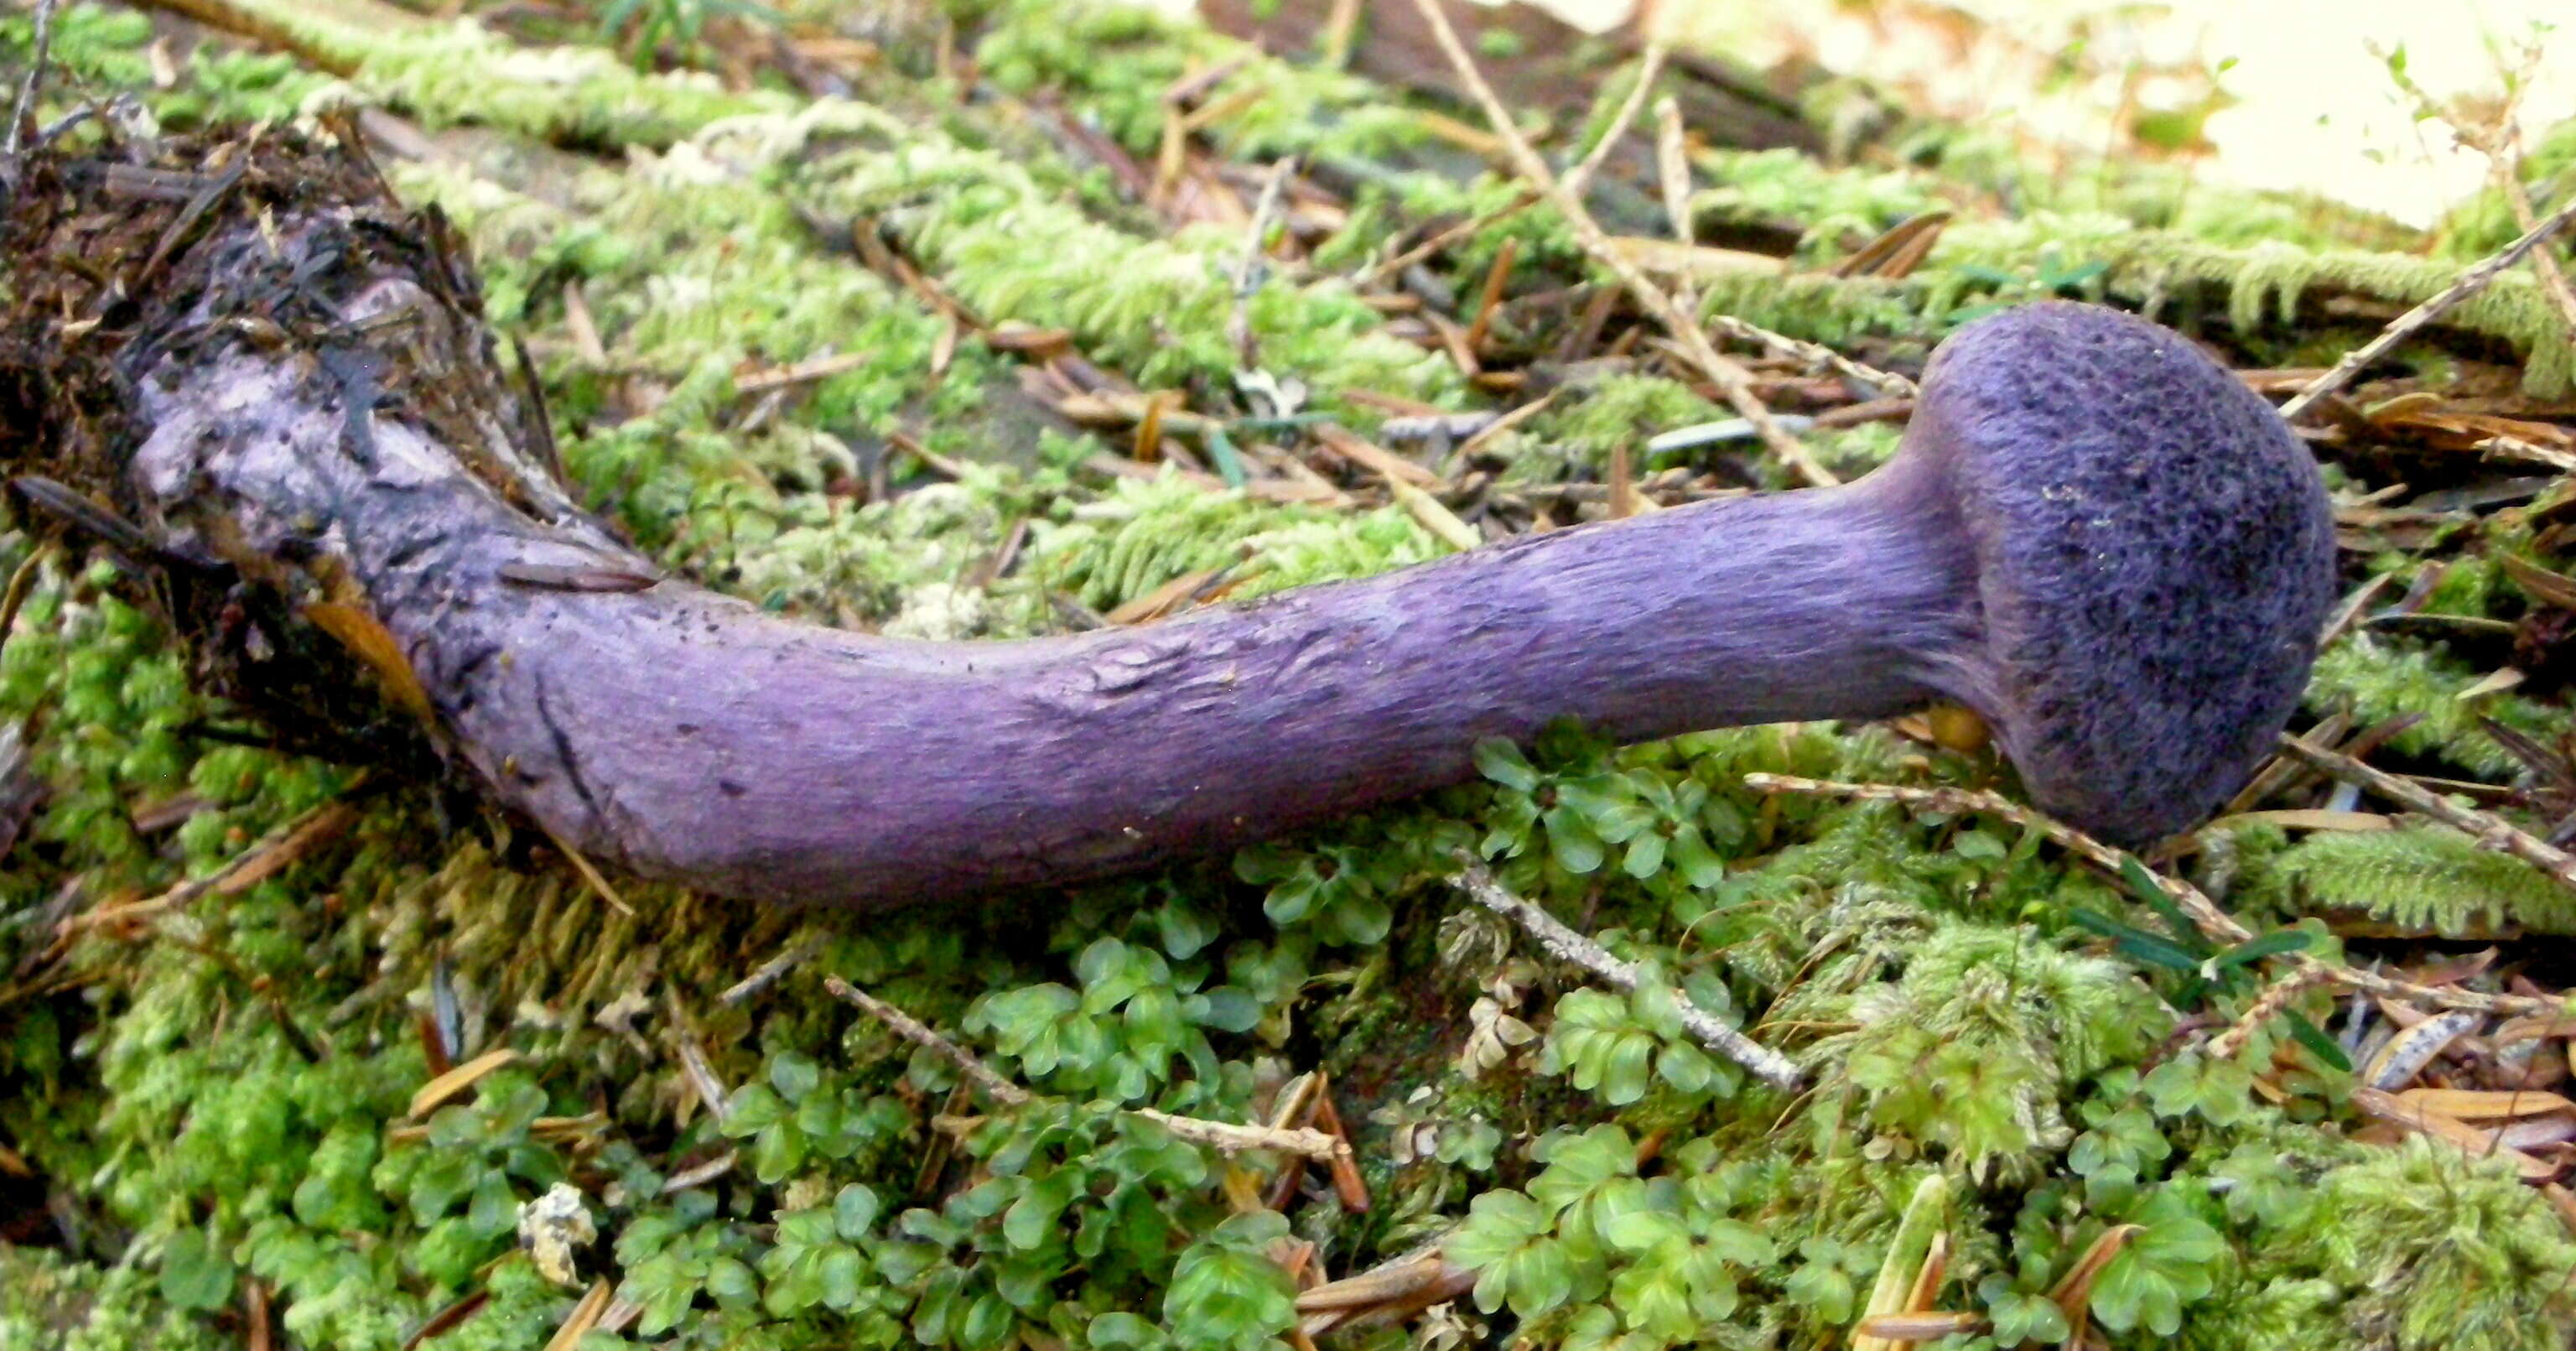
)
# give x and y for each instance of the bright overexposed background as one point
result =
(2314, 105)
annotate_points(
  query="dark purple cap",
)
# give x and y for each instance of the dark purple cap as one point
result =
(2155, 558)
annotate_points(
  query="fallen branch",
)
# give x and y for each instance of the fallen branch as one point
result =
(1731, 379)
(2405, 325)
(1321, 1146)
(1566, 945)
(1650, 67)
(24, 108)
(917, 1032)
(2491, 832)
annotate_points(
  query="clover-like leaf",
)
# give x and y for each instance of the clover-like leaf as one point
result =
(195, 1274)
(854, 1211)
(794, 1075)
(1502, 762)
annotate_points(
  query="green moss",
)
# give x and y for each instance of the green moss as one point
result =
(1977, 1048)
(1837, 209)
(2432, 1249)
(1117, 60)
(92, 45)
(1816, 307)
(2386, 678)
(459, 72)
(48, 1301)
(226, 1090)
(1145, 533)
(1155, 308)
(2262, 284)
(1621, 410)
(2428, 878)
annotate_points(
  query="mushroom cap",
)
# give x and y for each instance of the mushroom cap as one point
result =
(2155, 558)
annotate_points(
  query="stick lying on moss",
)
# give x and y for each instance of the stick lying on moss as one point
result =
(2094, 537)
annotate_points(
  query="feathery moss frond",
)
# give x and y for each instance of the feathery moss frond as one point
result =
(2379, 678)
(2431, 879)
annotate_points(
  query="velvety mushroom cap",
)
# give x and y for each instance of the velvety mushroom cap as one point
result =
(2155, 558)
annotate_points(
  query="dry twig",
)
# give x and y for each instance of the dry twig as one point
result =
(1673, 165)
(1392, 267)
(2498, 136)
(2553, 279)
(1672, 168)
(1483, 436)
(2405, 325)
(1253, 271)
(2489, 831)
(1566, 945)
(1649, 69)
(769, 973)
(1731, 379)
(913, 1030)
(2268, 1006)
(280, 847)
(1322, 1146)
(22, 583)
(695, 1067)
(1408, 1284)
(1672, 171)
(2213, 922)
(25, 107)
(1223, 1135)
(1814, 356)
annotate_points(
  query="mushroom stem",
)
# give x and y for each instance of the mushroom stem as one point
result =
(779, 760)
(688, 735)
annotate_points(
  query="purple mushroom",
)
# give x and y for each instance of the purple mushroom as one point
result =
(2093, 536)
